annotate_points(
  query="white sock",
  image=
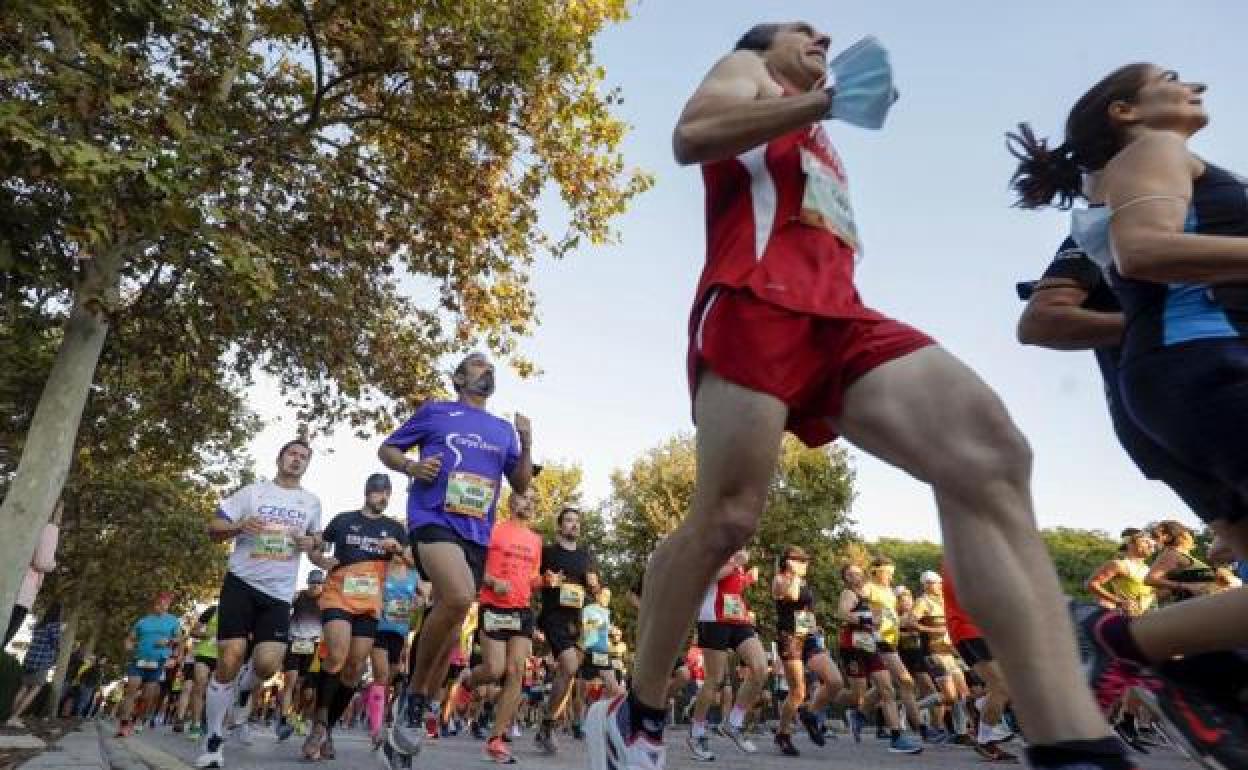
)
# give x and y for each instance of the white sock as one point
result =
(736, 717)
(959, 718)
(217, 701)
(698, 729)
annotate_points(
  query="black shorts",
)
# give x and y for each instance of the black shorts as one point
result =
(392, 642)
(724, 637)
(211, 663)
(299, 662)
(914, 661)
(501, 624)
(363, 626)
(562, 630)
(974, 651)
(245, 611)
(595, 663)
(801, 647)
(474, 553)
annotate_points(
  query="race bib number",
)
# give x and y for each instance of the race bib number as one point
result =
(863, 641)
(495, 622)
(571, 595)
(469, 494)
(804, 622)
(825, 201)
(600, 660)
(147, 665)
(734, 608)
(398, 610)
(361, 585)
(617, 664)
(303, 646)
(272, 546)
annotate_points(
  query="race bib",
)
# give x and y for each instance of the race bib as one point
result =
(469, 494)
(804, 622)
(734, 608)
(398, 610)
(361, 585)
(617, 664)
(303, 646)
(825, 201)
(571, 595)
(147, 665)
(863, 641)
(272, 546)
(495, 622)
(600, 659)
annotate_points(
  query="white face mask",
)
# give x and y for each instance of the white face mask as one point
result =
(864, 89)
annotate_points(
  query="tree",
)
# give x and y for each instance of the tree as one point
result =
(912, 557)
(808, 505)
(256, 180)
(1077, 553)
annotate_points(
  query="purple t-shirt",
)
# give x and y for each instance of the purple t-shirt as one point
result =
(477, 449)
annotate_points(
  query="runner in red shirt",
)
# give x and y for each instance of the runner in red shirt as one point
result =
(780, 339)
(506, 627)
(973, 650)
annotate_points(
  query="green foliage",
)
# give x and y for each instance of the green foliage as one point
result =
(1077, 553)
(10, 681)
(912, 558)
(808, 504)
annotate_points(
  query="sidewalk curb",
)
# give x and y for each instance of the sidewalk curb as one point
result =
(79, 749)
(117, 755)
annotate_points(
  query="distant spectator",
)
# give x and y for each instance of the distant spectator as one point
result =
(43, 562)
(45, 644)
(89, 685)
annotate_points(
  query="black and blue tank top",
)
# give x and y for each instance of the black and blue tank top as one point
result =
(1160, 315)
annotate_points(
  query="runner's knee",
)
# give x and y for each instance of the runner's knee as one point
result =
(988, 449)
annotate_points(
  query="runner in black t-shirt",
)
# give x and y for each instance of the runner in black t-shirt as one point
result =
(568, 572)
(363, 543)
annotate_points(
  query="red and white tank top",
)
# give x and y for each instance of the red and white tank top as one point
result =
(725, 600)
(779, 223)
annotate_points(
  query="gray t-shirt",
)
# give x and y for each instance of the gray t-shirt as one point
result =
(269, 561)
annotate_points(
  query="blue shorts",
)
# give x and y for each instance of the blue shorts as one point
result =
(148, 675)
(1192, 400)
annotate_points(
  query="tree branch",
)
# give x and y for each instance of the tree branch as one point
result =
(317, 62)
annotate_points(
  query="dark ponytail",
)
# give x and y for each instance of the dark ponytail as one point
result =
(1046, 175)
(1043, 174)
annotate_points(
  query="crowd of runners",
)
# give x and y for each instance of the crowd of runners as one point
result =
(1152, 279)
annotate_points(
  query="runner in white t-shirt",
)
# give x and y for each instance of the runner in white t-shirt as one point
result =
(271, 523)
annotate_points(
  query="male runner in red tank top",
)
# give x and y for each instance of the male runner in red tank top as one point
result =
(780, 339)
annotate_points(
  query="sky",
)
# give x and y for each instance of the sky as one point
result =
(943, 247)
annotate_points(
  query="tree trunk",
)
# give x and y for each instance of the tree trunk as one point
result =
(62, 672)
(48, 450)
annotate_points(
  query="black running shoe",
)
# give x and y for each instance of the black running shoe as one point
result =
(784, 742)
(813, 728)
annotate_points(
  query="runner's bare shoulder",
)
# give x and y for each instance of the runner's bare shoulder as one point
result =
(739, 76)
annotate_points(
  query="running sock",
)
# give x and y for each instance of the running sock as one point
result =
(1106, 753)
(376, 704)
(643, 718)
(246, 683)
(959, 717)
(416, 704)
(698, 729)
(217, 702)
(326, 692)
(736, 717)
(1114, 631)
(342, 699)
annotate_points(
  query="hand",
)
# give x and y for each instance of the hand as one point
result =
(426, 471)
(753, 573)
(525, 430)
(501, 587)
(554, 579)
(390, 545)
(252, 526)
(304, 542)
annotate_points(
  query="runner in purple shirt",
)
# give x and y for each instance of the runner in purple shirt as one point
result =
(464, 454)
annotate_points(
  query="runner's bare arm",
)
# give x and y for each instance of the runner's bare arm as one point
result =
(1096, 584)
(522, 473)
(846, 605)
(1149, 187)
(725, 116)
(1054, 318)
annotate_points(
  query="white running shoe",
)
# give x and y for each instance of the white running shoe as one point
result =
(213, 755)
(606, 725)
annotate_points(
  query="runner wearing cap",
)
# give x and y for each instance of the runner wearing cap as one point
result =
(363, 542)
(938, 651)
(305, 632)
(152, 639)
(464, 453)
(271, 524)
